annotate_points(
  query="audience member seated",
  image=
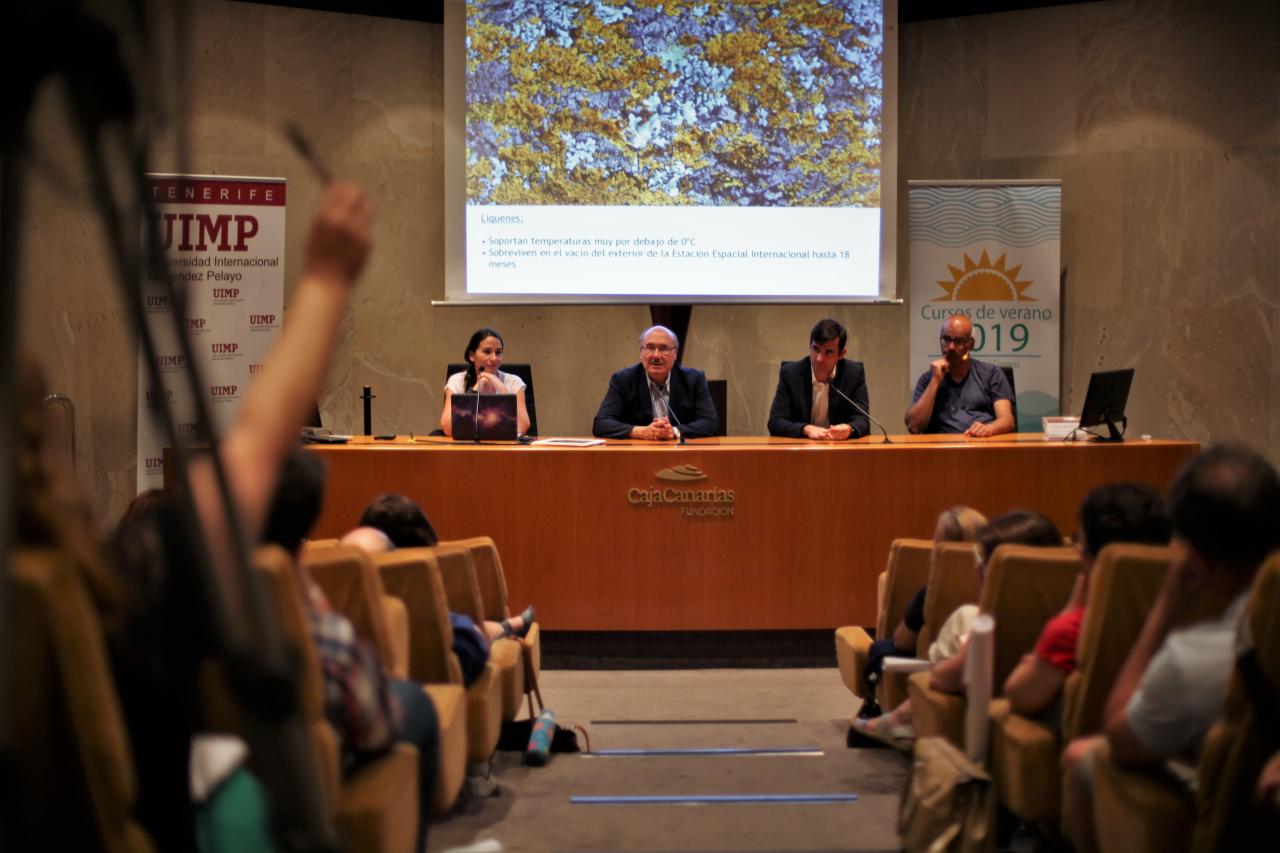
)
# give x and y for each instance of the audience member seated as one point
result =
(1119, 512)
(366, 706)
(949, 650)
(958, 524)
(405, 525)
(153, 607)
(484, 356)
(1173, 684)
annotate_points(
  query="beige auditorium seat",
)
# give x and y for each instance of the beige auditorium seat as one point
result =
(492, 581)
(1248, 737)
(485, 704)
(376, 806)
(906, 572)
(1025, 755)
(413, 575)
(1147, 810)
(349, 581)
(1025, 587)
(67, 741)
(953, 581)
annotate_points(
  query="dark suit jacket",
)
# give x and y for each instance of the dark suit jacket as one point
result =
(793, 401)
(626, 404)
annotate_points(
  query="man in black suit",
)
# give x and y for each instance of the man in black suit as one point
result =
(641, 397)
(811, 398)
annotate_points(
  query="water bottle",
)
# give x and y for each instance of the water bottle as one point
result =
(539, 748)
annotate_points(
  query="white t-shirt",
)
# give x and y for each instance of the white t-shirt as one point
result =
(1183, 691)
(458, 382)
(953, 633)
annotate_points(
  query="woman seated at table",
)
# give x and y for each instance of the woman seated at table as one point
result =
(482, 376)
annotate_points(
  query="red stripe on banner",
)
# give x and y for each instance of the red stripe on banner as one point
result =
(216, 191)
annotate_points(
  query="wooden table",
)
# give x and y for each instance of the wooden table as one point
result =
(760, 533)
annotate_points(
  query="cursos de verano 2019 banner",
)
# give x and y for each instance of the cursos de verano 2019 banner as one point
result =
(992, 251)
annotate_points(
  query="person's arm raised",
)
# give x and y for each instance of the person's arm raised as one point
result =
(279, 399)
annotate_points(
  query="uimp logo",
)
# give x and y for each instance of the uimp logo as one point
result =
(186, 428)
(226, 293)
(170, 362)
(223, 391)
(153, 397)
(259, 321)
(224, 348)
(196, 324)
(681, 473)
(255, 369)
(157, 302)
(984, 281)
(154, 464)
(208, 230)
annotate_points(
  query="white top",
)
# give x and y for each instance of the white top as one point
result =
(952, 634)
(1182, 693)
(458, 382)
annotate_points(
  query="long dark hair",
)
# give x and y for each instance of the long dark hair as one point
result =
(1020, 527)
(472, 346)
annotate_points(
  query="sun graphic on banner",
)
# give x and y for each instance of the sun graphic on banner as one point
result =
(984, 281)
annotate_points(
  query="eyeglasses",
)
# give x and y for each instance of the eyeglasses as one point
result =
(660, 349)
(956, 341)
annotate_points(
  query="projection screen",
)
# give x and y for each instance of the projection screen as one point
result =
(675, 151)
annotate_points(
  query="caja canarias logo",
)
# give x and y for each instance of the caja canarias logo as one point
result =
(701, 502)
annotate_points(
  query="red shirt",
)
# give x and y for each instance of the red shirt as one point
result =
(1058, 640)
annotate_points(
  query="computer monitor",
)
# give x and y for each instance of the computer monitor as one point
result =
(483, 417)
(1105, 400)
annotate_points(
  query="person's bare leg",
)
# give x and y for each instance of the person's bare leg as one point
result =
(1077, 793)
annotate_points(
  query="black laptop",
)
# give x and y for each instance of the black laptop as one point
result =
(484, 417)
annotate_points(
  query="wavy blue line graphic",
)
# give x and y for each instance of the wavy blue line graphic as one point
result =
(1019, 216)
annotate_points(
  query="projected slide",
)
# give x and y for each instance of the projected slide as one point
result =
(712, 149)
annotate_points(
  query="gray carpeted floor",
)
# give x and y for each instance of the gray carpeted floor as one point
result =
(755, 708)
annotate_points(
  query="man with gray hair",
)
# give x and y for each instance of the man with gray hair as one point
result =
(656, 399)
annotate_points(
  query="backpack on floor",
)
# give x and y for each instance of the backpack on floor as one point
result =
(949, 803)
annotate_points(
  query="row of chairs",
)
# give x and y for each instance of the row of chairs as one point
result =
(1136, 811)
(67, 739)
(401, 601)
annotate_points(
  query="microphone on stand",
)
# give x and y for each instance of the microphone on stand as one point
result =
(666, 404)
(862, 411)
(475, 388)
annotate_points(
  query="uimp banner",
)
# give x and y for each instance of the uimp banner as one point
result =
(224, 248)
(991, 250)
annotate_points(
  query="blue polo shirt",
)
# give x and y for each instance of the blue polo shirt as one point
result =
(959, 404)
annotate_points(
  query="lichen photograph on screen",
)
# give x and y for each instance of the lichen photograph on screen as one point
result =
(628, 102)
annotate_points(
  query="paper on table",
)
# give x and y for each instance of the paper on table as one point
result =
(567, 442)
(900, 664)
